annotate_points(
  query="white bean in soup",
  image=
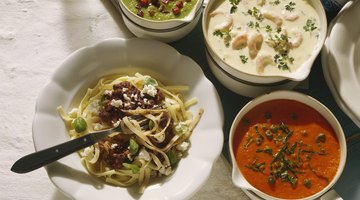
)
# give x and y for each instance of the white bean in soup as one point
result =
(263, 37)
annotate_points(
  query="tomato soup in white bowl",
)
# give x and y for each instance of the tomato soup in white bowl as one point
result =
(286, 145)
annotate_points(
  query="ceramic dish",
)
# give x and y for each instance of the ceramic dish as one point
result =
(165, 31)
(237, 176)
(250, 84)
(341, 60)
(82, 69)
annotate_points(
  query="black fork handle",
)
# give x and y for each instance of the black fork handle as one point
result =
(44, 157)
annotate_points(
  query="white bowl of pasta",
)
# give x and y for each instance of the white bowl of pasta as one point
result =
(99, 86)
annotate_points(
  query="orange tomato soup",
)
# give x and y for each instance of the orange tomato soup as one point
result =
(286, 149)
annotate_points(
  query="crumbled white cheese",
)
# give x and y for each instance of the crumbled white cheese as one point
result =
(98, 126)
(125, 89)
(170, 101)
(87, 151)
(117, 123)
(107, 92)
(150, 90)
(126, 97)
(73, 112)
(135, 96)
(94, 107)
(166, 171)
(116, 103)
(143, 155)
(113, 146)
(182, 128)
(183, 146)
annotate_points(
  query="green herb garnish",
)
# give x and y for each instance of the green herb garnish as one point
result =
(255, 12)
(257, 167)
(310, 25)
(234, 4)
(244, 59)
(291, 6)
(307, 183)
(276, 2)
(225, 35)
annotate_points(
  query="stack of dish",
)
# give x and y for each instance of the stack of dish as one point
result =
(254, 47)
(341, 60)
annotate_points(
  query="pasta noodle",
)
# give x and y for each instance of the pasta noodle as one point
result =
(156, 124)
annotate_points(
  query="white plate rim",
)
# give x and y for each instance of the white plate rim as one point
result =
(338, 68)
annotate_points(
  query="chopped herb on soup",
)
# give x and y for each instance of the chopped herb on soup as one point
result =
(160, 10)
(286, 149)
(276, 36)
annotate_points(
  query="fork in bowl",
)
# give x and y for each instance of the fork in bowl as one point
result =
(44, 157)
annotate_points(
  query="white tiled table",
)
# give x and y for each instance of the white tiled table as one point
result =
(35, 36)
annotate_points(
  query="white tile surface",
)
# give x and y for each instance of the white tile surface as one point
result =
(35, 36)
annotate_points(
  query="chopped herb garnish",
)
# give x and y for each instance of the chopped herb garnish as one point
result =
(271, 180)
(244, 59)
(255, 12)
(269, 134)
(310, 25)
(320, 138)
(307, 183)
(266, 150)
(249, 140)
(260, 138)
(291, 6)
(218, 33)
(250, 24)
(276, 2)
(257, 167)
(234, 4)
(282, 60)
(224, 35)
(268, 29)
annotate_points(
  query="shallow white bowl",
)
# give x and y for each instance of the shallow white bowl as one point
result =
(82, 69)
(237, 176)
(165, 31)
(253, 85)
(341, 60)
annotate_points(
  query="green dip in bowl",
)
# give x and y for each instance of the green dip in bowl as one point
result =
(160, 10)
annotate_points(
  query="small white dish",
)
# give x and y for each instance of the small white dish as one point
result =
(83, 69)
(251, 191)
(341, 60)
(165, 31)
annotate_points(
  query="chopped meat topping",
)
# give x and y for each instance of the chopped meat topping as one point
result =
(114, 151)
(130, 98)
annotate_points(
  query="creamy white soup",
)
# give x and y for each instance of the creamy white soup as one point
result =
(263, 37)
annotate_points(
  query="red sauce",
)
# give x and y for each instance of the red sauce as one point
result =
(304, 158)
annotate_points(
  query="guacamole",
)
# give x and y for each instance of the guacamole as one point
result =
(160, 10)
